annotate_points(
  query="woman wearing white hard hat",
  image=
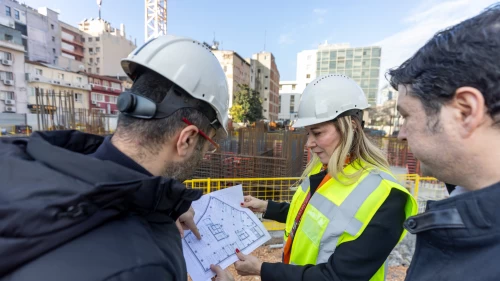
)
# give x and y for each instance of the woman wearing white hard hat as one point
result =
(348, 213)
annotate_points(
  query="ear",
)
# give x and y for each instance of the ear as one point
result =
(187, 140)
(471, 108)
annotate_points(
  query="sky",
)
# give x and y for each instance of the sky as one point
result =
(286, 27)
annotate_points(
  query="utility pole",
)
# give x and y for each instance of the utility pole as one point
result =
(156, 18)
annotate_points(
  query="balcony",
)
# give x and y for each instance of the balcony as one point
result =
(33, 78)
(11, 45)
(74, 53)
(72, 42)
(105, 88)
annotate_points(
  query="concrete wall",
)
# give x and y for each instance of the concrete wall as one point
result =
(267, 84)
(237, 71)
(306, 67)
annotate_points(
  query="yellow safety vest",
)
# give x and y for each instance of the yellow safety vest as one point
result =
(339, 213)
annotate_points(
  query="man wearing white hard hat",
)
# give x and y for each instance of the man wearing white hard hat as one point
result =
(83, 207)
(347, 215)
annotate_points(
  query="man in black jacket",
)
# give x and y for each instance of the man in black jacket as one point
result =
(449, 95)
(76, 206)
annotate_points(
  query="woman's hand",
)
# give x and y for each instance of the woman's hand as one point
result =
(247, 265)
(221, 275)
(254, 204)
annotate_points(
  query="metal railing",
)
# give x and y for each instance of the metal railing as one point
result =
(282, 189)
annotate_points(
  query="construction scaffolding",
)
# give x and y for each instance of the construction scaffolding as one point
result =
(56, 111)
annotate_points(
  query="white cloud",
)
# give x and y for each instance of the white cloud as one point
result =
(422, 25)
(286, 39)
(318, 11)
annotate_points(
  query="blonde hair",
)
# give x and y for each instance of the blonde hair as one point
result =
(355, 145)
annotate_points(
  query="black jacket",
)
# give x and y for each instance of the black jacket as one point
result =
(356, 260)
(458, 238)
(67, 216)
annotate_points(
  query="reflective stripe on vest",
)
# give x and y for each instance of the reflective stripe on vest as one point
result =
(343, 216)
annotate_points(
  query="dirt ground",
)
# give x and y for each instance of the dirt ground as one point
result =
(397, 273)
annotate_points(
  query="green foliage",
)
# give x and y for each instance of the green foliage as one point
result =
(247, 105)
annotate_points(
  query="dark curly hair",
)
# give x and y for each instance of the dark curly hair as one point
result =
(467, 54)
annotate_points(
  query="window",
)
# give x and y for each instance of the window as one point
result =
(113, 99)
(267, 76)
(38, 71)
(7, 56)
(98, 49)
(97, 70)
(16, 14)
(293, 87)
(90, 39)
(97, 97)
(83, 39)
(60, 76)
(376, 52)
(292, 103)
(91, 51)
(97, 39)
(90, 70)
(308, 76)
(265, 88)
(105, 83)
(79, 98)
(4, 75)
(375, 62)
(91, 60)
(98, 60)
(5, 95)
(53, 39)
(54, 50)
(52, 26)
(8, 37)
(79, 79)
(7, 11)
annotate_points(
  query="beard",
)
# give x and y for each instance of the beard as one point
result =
(183, 171)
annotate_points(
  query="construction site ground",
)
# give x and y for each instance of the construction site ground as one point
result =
(264, 253)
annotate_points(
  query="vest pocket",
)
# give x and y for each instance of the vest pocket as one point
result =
(313, 225)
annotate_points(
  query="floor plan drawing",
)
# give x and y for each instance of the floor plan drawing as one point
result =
(224, 226)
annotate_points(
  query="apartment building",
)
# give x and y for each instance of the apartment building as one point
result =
(237, 71)
(104, 94)
(267, 79)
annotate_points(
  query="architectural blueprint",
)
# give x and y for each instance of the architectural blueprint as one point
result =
(224, 226)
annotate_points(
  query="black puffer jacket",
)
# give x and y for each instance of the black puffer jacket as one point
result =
(67, 216)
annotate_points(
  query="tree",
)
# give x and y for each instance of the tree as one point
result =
(250, 103)
(237, 113)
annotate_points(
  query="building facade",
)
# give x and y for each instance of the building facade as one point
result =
(104, 94)
(13, 96)
(387, 93)
(306, 68)
(62, 98)
(237, 71)
(72, 48)
(288, 100)
(361, 64)
(267, 83)
(105, 46)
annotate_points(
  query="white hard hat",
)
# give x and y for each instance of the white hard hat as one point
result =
(188, 64)
(327, 97)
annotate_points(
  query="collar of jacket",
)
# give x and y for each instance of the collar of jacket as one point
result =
(475, 210)
(65, 151)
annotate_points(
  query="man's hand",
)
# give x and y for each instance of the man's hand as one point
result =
(254, 204)
(221, 275)
(186, 222)
(248, 265)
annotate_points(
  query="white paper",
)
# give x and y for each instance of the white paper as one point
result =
(224, 226)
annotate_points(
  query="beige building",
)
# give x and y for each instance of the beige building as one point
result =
(105, 46)
(13, 97)
(267, 79)
(51, 78)
(237, 71)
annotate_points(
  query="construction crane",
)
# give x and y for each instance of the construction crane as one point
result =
(156, 18)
